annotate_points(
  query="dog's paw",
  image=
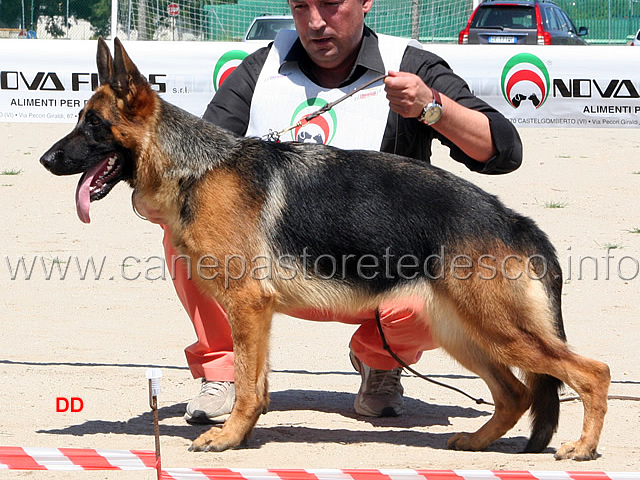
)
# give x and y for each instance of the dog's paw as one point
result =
(578, 451)
(214, 440)
(465, 441)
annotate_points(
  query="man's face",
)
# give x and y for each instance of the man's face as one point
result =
(330, 31)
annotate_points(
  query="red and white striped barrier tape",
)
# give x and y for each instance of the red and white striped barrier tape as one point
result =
(19, 458)
(382, 474)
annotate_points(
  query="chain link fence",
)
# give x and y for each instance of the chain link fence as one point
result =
(609, 21)
(434, 20)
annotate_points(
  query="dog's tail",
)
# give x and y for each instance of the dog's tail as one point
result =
(545, 411)
(545, 400)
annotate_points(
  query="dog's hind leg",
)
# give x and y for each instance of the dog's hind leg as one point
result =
(515, 323)
(589, 378)
(510, 395)
(548, 357)
(511, 400)
(250, 321)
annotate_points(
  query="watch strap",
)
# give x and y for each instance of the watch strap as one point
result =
(436, 96)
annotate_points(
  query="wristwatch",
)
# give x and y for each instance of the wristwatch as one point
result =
(432, 112)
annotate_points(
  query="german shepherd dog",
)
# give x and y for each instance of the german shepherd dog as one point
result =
(489, 280)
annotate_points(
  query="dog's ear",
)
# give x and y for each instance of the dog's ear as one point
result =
(105, 64)
(127, 81)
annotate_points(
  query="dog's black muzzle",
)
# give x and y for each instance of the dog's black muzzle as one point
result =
(71, 155)
(53, 160)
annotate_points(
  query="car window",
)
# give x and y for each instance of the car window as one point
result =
(562, 19)
(266, 29)
(549, 20)
(508, 17)
(570, 27)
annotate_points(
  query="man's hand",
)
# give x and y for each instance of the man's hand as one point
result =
(468, 129)
(407, 93)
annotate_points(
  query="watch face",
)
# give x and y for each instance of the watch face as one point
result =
(432, 113)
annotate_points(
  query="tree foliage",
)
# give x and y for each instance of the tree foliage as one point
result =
(26, 14)
(53, 13)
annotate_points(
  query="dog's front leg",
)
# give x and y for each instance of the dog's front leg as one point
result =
(250, 321)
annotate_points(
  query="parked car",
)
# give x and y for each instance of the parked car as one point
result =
(536, 22)
(636, 40)
(266, 27)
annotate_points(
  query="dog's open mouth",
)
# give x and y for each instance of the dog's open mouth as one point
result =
(96, 183)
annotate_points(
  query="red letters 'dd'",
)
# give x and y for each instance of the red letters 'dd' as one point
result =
(73, 404)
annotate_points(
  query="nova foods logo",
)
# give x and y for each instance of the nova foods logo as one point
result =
(320, 129)
(225, 65)
(525, 78)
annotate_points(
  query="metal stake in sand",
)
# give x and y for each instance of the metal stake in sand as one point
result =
(154, 375)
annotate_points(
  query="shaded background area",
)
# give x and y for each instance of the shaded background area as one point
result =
(609, 22)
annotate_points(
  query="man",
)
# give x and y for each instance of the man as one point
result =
(333, 53)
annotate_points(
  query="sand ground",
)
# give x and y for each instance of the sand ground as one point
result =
(94, 338)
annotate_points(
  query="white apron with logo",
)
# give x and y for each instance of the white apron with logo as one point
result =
(282, 98)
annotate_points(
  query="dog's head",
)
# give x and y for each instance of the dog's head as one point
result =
(105, 142)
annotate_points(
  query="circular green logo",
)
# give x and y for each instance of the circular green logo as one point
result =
(320, 129)
(226, 64)
(525, 78)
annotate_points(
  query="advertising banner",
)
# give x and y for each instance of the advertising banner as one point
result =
(539, 86)
(50, 80)
(554, 86)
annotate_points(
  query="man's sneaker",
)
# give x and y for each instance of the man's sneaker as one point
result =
(213, 404)
(380, 393)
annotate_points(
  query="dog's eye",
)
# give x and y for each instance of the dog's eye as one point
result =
(93, 120)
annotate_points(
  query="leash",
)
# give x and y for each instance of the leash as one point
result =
(274, 136)
(404, 365)
(479, 401)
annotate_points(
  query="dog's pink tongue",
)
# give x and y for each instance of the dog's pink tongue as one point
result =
(83, 192)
